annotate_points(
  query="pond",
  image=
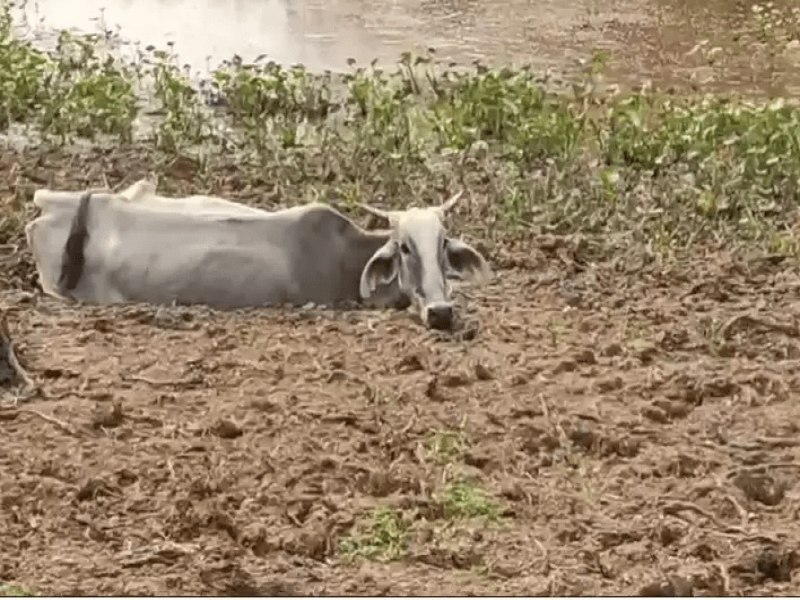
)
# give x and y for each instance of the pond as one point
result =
(655, 39)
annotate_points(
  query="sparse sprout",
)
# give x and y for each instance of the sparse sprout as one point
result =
(382, 536)
(464, 500)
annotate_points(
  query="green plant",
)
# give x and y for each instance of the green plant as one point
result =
(184, 123)
(87, 94)
(22, 74)
(382, 537)
(446, 446)
(14, 590)
(464, 500)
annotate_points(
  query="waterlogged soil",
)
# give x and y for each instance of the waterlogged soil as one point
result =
(638, 428)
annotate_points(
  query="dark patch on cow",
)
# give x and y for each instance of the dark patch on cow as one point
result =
(73, 257)
(324, 222)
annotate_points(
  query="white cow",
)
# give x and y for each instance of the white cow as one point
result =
(138, 246)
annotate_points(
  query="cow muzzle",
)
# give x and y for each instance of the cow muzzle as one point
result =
(439, 316)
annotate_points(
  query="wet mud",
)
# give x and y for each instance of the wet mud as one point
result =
(638, 429)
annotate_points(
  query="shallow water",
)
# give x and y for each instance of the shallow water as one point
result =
(646, 39)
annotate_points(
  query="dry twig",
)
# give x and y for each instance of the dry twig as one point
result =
(675, 508)
(50, 419)
(10, 356)
(748, 319)
(725, 578)
(162, 382)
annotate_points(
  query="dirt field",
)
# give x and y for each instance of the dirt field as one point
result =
(637, 429)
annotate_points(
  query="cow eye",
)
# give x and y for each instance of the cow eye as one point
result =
(404, 248)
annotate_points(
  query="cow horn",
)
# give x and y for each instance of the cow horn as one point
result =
(375, 211)
(444, 208)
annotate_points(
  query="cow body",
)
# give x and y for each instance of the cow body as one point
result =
(138, 246)
(141, 247)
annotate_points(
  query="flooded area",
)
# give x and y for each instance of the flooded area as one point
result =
(642, 39)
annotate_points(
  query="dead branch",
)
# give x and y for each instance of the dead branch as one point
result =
(762, 468)
(10, 356)
(165, 555)
(766, 443)
(558, 430)
(545, 557)
(725, 578)
(675, 508)
(50, 419)
(748, 319)
(161, 382)
(738, 508)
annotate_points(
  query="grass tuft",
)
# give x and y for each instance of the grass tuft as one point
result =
(446, 446)
(382, 537)
(465, 500)
(11, 589)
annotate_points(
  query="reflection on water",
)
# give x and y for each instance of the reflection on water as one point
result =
(645, 38)
(323, 34)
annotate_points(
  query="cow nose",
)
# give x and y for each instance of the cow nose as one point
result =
(440, 316)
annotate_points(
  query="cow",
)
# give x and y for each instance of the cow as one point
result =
(138, 246)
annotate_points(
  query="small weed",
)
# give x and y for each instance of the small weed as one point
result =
(11, 589)
(382, 537)
(88, 94)
(184, 123)
(464, 500)
(446, 446)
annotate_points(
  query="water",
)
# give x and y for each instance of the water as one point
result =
(646, 39)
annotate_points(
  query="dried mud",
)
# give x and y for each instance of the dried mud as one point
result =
(639, 430)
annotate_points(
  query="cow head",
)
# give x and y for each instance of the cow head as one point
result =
(421, 258)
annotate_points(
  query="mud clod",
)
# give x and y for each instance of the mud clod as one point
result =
(480, 459)
(226, 429)
(94, 488)
(482, 372)
(768, 564)
(585, 357)
(761, 488)
(455, 380)
(410, 363)
(674, 586)
(108, 417)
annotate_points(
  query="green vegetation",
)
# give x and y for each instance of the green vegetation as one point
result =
(10, 589)
(661, 171)
(446, 446)
(465, 500)
(382, 537)
(385, 533)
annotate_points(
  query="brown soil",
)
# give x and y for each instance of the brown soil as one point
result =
(640, 430)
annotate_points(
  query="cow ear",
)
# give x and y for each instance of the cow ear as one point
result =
(380, 270)
(466, 263)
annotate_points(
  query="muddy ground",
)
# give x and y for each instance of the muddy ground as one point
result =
(639, 429)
